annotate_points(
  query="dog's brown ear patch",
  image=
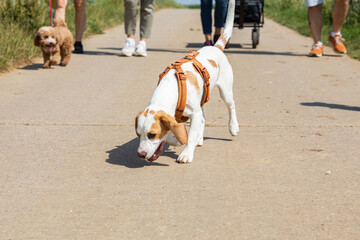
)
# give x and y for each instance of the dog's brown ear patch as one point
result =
(177, 129)
(136, 124)
(37, 40)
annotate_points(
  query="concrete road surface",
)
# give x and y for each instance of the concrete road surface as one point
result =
(68, 164)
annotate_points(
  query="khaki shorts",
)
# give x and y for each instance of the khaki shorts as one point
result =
(313, 3)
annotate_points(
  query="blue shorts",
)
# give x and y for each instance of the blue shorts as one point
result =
(313, 3)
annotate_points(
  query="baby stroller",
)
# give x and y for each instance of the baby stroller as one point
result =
(250, 13)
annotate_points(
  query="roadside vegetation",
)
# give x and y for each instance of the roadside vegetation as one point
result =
(20, 19)
(293, 14)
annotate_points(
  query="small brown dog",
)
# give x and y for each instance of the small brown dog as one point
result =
(54, 42)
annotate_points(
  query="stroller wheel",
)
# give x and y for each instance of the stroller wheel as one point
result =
(255, 37)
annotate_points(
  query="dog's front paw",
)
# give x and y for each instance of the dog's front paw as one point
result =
(185, 158)
(63, 64)
(54, 62)
(46, 65)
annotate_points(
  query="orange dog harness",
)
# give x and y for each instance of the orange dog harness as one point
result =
(181, 78)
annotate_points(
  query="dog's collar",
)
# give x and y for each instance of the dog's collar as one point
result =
(181, 78)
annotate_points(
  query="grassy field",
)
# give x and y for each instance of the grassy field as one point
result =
(293, 14)
(20, 20)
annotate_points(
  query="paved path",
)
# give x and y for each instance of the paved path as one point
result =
(68, 148)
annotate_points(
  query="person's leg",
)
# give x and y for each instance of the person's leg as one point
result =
(146, 18)
(315, 21)
(220, 17)
(206, 19)
(315, 25)
(80, 19)
(339, 13)
(60, 9)
(131, 11)
(80, 22)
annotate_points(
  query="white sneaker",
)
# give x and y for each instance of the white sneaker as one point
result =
(141, 49)
(129, 47)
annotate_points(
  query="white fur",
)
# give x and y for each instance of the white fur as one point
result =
(165, 98)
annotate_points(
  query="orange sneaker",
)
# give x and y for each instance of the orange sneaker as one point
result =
(316, 50)
(337, 43)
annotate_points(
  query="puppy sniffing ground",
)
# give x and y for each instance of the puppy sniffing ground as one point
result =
(182, 90)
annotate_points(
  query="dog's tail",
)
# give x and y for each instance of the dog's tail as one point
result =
(228, 28)
(59, 23)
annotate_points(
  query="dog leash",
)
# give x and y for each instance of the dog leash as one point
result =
(51, 19)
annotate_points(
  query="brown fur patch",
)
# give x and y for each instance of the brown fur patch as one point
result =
(146, 112)
(152, 112)
(219, 47)
(223, 39)
(158, 128)
(218, 73)
(192, 79)
(136, 124)
(213, 63)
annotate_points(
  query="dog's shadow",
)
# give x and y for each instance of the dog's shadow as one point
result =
(125, 155)
(34, 66)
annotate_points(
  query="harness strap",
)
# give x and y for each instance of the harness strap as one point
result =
(181, 78)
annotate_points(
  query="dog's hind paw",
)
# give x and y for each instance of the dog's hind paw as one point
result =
(200, 141)
(234, 129)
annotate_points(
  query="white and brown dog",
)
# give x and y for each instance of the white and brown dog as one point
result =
(54, 42)
(154, 124)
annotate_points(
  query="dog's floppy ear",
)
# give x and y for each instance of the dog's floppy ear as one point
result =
(37, 40)
(136, 124)
(177, 129)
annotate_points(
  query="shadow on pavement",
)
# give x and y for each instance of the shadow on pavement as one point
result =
(218, 139)
(330, 105)
(35, 66)
(247, 49)
(125, 155)
(94, 53)
(200, 45)
(166, 50)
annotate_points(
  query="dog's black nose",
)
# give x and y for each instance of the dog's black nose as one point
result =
(142, 154)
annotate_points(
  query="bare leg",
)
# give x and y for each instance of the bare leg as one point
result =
(339, 13)
(315, 21)
(60, 9)
(80, 19)
(207, 37)
(217, 31)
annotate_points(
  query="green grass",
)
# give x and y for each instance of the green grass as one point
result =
(20, 19)
(293, 14)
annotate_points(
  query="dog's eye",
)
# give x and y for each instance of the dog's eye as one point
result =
(45, 37)
(151, 135)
